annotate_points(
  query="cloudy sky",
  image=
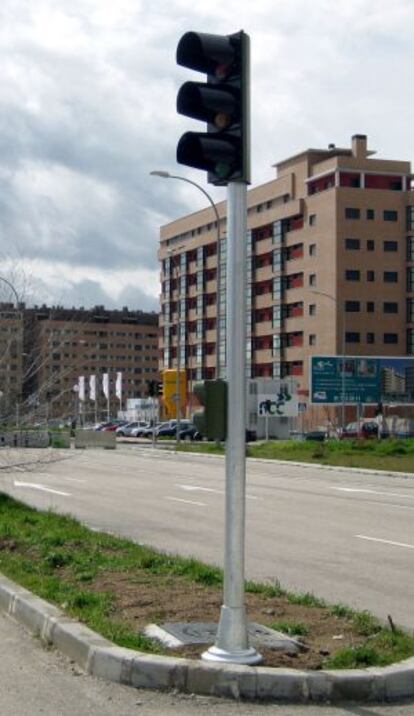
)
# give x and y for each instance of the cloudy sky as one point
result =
(87, 110)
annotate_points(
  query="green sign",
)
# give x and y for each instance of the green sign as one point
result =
(362, 379)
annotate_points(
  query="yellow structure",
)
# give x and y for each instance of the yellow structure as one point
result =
(169, 384)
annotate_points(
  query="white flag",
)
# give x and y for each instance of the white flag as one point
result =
(92, 387)
(81, 388)
(118, 386)
(105, 384)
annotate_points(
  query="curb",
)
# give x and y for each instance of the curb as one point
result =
(100, 658)
(271, 461)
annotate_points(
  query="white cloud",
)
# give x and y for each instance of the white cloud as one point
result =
(87, 110)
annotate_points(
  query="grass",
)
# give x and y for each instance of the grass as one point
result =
(391, 454)
(65, 563)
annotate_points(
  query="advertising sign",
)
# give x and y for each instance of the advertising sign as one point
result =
(170, 397)
(277, 404)
(362, 380)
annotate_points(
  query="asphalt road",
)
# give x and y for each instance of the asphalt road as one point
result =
(345, 536)
(35, 681)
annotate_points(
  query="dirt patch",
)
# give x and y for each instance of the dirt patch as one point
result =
(157, 599)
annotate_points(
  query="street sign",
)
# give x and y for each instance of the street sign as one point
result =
(354, 380)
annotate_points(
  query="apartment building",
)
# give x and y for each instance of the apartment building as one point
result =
(62, 344)
(330, 268)
(11, 358)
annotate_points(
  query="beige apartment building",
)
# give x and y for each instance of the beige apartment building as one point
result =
(330, 268)
(11, 359)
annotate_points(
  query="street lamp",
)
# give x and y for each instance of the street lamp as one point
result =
(343, 350)
(167, 175)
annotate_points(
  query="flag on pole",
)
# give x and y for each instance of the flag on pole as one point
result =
(118, 386)
(105, 384)
(81, 387)
(92, 387)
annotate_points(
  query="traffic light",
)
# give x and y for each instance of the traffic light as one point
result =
(211, 422)
(223, 103)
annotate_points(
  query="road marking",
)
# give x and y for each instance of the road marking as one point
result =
(386, 541)
(187, 502)
(210, 489)
(72, 479)
(372, 492)
(36, 486)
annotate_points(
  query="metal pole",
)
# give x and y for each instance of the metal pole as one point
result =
(343, 376)
(108, 407)
(232, 639)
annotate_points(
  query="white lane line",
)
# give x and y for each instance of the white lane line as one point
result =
(194, 488)
(71, 479)
(36, 486)
(372, 492)
(386, 541)
(187, 502)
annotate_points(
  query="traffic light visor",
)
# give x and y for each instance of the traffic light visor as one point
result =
(211, 54)
(209, 152)
(210, 103)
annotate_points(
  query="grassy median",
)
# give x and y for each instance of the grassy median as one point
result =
(391, 454)
(116, 587)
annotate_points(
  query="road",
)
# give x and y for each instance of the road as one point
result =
(35, 681)
(345, 536)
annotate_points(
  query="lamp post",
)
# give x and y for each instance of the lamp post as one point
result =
(343, 351)
(167, 175)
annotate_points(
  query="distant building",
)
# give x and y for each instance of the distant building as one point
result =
(391, 381)
(330, 268)
(62, 344)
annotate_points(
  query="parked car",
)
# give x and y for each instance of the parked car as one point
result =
(317, 435)
(138, 431)
(170, 429)
(190, 432)
(126, 430)
(113, 426)
(148, 432)
(365, 429)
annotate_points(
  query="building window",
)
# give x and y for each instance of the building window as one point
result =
(312, 339)
(391, 276)
(352, 244)
(312, 309)
(410, 310)
(410, 341)
(390, 307)
(390, 338)
(312, 220)
(410, 248)
(410, 218)
(352, 337)
(370, 214)
(370, 275)
(390, 245)
(370, 306)
(390, 215)
(312, 249)
(352, 275)
(352, 213)
(352, 306)
(312, 279)
(370, 245)
(410, 278)
(370, 337)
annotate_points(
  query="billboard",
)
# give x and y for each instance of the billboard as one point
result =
(362, 380)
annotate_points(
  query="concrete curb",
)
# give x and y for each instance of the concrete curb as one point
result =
(320, 466)
(101, 658)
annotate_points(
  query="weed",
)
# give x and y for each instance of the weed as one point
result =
(291, 628)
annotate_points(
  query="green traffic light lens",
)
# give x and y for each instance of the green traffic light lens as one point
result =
(222, 170)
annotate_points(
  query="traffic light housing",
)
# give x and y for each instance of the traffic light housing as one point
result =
(211, 422)
(223, 103)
